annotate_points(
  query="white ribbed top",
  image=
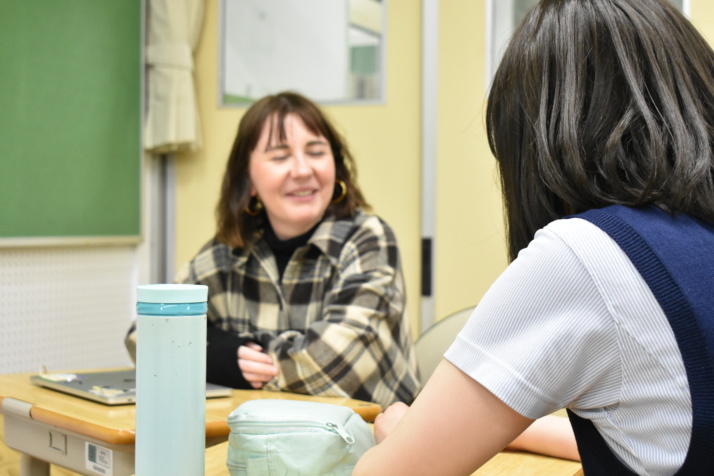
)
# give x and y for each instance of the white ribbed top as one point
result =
(571, 323)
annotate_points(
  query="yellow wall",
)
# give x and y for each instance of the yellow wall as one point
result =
(470, 246)
(702, 16)
(385, 139)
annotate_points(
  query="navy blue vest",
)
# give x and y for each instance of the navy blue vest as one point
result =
(675, 256)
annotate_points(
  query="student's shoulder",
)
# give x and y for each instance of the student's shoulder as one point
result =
(592, 245)
(577, 232)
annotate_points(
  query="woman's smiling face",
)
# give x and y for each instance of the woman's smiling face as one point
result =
(294, 177)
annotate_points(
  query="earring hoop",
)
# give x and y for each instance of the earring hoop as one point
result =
(343, 192)
(257, 206)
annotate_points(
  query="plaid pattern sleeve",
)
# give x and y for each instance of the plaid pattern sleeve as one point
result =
(336, 322)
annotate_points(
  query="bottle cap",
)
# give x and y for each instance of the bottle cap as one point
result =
(172, 293)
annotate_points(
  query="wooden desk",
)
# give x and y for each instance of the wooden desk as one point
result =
(50, 427)
(506, 463)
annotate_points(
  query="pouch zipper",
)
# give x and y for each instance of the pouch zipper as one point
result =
(330, 426)
(349, 439)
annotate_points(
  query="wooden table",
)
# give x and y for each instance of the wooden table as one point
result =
(49, 427)
(506, 463)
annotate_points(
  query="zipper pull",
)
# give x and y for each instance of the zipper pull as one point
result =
(345, 436)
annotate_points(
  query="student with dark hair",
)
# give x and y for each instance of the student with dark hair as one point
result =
(305, 288)
(601, 118)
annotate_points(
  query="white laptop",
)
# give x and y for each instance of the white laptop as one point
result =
(115, 387)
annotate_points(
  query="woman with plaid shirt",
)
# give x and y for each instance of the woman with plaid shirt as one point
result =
(306, 292)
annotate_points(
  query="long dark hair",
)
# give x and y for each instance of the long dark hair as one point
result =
(236, 227)
(600, 102)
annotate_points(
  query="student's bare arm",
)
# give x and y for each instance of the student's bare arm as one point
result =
(454, 426)
(551, 435)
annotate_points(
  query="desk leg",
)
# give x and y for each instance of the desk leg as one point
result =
(30, 466)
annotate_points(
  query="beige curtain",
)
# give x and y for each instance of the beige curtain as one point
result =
(172, 123)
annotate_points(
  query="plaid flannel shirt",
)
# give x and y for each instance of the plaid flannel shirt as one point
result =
(335, 324)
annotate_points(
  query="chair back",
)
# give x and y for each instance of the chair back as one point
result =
(433, 342)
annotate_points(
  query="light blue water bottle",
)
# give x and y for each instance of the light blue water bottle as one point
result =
(171, 379)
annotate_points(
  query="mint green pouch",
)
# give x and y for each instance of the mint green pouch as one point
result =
(291, 438)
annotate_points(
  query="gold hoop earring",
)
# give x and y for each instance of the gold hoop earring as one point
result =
(343, 192)
(254, 207)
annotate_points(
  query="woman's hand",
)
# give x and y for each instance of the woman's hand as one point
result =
(385, 422)
(257, 367)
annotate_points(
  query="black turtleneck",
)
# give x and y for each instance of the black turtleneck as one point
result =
(284, 249)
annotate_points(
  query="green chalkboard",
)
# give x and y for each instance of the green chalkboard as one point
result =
(70, 118)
